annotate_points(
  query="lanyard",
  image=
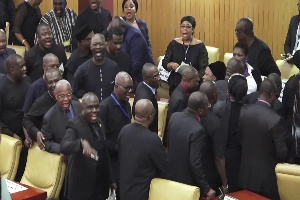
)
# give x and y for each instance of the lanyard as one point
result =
(186, 50)
(114, 98)
(246, 71)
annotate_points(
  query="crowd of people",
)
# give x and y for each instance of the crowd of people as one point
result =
(226, 129)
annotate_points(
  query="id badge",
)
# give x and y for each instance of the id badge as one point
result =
(67, 43)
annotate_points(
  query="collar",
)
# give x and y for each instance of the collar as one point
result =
(250, 68)
(151, 88)
(264, 102)
(186, 91)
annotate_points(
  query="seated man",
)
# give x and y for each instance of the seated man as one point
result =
(39, 87)
(96, 75)
(34, 57)
(33, 120)
(114, 52)
(82, 53)
(88, 172)
(62, 22)
(142, 156)
(56, 119)
(189, 83)
(4, 51)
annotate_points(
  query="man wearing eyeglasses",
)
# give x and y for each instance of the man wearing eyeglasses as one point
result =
(56, 119)
(260, 56)
(147, 89)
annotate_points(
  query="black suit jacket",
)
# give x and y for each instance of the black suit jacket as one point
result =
(2, 65)
(186, 148)
(178, 101)
(263, 146)
(54, 126)
(85, 177)
(144, 92)
(291, 35)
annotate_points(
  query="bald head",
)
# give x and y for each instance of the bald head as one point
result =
(2, 33)
(62, 84)
(122, 77)
(188, 73)
(267, 88)
(276, 79)
(147, 69)
(210, 89)
(197, 100)
(11, 61)
(98, 36)
(144, 108)
(247, 25)
(234, 66)
(89, 96)
(50, 61)
(119, 22)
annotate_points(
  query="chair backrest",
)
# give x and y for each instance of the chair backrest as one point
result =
(162, 189)
(288, 181)
(287, 70)
(45, 171)
(19, 49)
(162, 118)
(227, 56)
(7, 31)
(10, 149)
(213, 54)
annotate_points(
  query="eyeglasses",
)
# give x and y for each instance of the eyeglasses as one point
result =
(207, 106)
(63, 96)
(127, 88)
(238, 31)
(156, 76)
(186, 27)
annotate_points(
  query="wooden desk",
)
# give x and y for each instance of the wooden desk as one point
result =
(246, 195)
(30, 194)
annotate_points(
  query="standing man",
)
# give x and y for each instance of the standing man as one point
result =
(259, 53)
(189, 83)
(263, 143)
(62, 22)
(142, 156)
(88, 171)
(95, 16)
(7, 13)
(113, 50)
(4, 51)
(147, 90)
(98, 74)
(187, 143)
(34, 57)
(56, 119)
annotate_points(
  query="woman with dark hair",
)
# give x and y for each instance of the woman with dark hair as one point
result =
(130, 8)
(185, 49)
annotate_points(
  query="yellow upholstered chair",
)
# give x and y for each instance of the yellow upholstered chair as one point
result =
(162, 189)
(227, 56)
(7, 31)
(213, 54)
(287, 70)
(288, 181)
(10, 149)
(162, 118)
(19, 49)
(45, 171)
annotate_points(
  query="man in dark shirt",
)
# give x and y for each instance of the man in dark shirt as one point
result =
(82, 53)
(135, 46)
(147, 90)
(34, 57)
(98, 74)
(113, 50)
(4, 51)
(7, 13)
(187, 143)
(189, 83)
(142, 156)
(88, 174)
(39, 87)
(95, 16)
(33, 120)
(115, 113)
(259, 53)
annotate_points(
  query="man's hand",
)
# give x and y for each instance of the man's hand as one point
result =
(87, 149)
(39, 139)
(211, 194)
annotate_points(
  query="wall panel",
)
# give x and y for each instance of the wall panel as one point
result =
(216, 21)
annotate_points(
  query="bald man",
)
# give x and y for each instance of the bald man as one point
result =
(39, 87)
(4, 51)
(189, 83)
(56, 119)
(98, 74)
(186, 145)
(147, 90)
(88, 173)
(259, 53)
(263, 142)
(142, 156)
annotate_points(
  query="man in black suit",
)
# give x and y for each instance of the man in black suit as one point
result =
(33, 120)
(142, 156)
(88, 171)
(147, 90)
(263, 143)
(4, 51)
(187, 143)
(189, 83)
(56, 119)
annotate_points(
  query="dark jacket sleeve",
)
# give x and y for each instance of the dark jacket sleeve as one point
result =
(168, 55)
(267, 63)
(288, 39)
(202, 60)
(47, 131)
(70, 143)
(279, 141)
